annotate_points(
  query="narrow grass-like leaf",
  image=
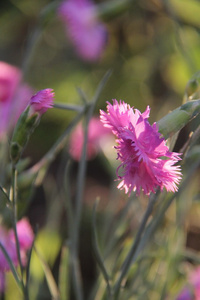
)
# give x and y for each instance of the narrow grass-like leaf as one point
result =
(63, 280)
(49, 277)
(97, 250)
(12, 267)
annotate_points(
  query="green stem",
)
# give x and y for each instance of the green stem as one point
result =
(12, 268)
(79, 195)
(76, 276)
(6, 196)
(98, 253)
(36, 35)
(68, 202)
(77, 220)
(32, 43)
(14, 199)
(28, 270)
(14, 186)
(77, 108)
(160, 214)
(133, 251)
(43, 164)
(107, 9)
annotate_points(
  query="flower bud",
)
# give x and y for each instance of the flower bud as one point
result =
(41, 101)
(178, 118)
(29, 119)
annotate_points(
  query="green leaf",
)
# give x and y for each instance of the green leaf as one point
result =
(63, 281)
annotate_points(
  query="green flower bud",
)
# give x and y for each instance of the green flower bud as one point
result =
(178, 118)
(24, 128)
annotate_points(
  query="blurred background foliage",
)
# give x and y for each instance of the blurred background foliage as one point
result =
(153, 49)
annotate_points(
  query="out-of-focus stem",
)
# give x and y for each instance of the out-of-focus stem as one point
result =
(32, 43)
(78, 290)
(43, 164)
(153, 225)
(112, 8)
(35, 36)
(79, 195)
(12, 268)
(97, 252)
(77, 108)
(132, 253)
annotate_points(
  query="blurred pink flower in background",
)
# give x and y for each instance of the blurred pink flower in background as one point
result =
(192, 291)
(41, 101)
(7, 239)
(96, 133)
(145, 159)
(14, 96)
(88, 35)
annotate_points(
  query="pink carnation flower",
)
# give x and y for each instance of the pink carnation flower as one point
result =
(191, 292)
(14, 96)
(186, 294)
(146, 162)
(7, 239)
(41, 101)
(96, 132)
(85, 31)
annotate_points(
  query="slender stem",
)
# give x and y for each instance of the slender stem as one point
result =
(68, 202)
(35, 36)
(107, 9)
(98, 253)
(77, 219)
(82, 95)
(28, 271)
(77, 108)
(82, 165)
(12, 267)
(31, 46)
(55, 149)
(76, 275)
(14, 199)
(14, 185)
(190, 142)
(71, 222)
(6, 195)
(132, 253)
(79, 195)
(159, 216)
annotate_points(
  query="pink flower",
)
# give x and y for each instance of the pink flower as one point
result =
(7, 239)
(96, 132)
(14, 96)
(146, 161)
(10, 78)
(186, 294)
(192, 291)
(85, 31)
(41, 101)
(25, 235)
